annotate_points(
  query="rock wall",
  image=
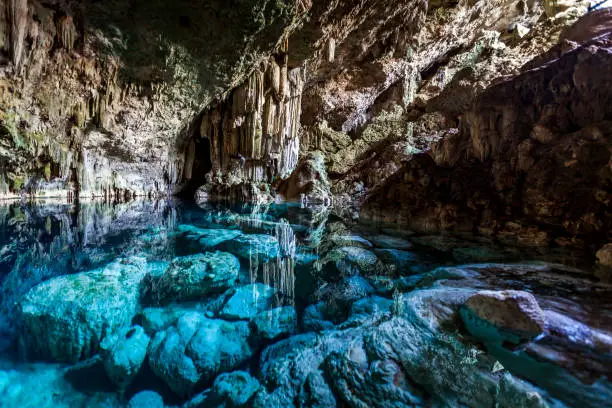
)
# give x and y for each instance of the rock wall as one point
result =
(531, 160)
(95, 96)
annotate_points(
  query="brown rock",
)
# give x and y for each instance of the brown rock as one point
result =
(512, 310)
(604, 255)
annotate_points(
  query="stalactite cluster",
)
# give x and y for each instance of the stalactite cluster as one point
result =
(254, 132)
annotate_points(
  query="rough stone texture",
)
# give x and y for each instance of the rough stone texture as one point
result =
(194, 276)
(308, 183)
(509, 310)
(66, 318)
(196, 350)
(604, 255)
(526, 147)
(248, 301)
(99, 99)
(123, 354)
(275, 323)
(146, 399)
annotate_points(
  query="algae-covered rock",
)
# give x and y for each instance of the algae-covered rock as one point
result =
(66, 318)
(248, 301)
(195, 276)
(197, 349)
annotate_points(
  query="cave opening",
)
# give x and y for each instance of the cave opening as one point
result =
(202, 165)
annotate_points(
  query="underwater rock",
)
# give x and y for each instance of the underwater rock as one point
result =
(338, 297)
(315, 392)
(196, 350)
(248, 301)
(275, 323)
(513, 311)
(253, 247)
(366, 308)
(123, 354)
(146, 399)
(66, 318)
(194, 276)
(230, 390)
(208, 238)
(313, 318)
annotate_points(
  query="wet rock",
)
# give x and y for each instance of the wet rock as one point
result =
(66, 318)
(348, 240)
(197, 349)
(208, 238)
(275, 323)
(233, 390)
(604, 255)
(248, 301)
(480, 253)
(512, 311)
(195, 276)
(316, 393)
(313, 318)
(146, 399)
(123, 354)
(405, 262)
(390, 242)
(308, 182)
(253, 247)
(354, 260)
(370, 307)
(338, 297)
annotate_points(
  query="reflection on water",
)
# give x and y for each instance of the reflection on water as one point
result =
(298, 271)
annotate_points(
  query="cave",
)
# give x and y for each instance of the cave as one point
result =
(305, 203)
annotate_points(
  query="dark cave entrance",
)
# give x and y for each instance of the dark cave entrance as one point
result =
(201, 166)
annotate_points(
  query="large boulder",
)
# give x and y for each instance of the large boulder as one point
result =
(194, 276)
(230, 390)
(66, 318)
(196, 350)
(308, 182)
(515, 312)
(123, 354)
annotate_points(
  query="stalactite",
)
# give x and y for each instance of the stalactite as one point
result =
(18, 17)
(331, 50)
(257, 126)
(66, 32)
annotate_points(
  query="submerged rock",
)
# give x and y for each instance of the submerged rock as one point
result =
(230, 390)
(146, 399)
(195, 276)
(66, 318)
(196, 350)
(253, 247)
(275, 323)
(248, 301)
(208, 238)
(123, 354)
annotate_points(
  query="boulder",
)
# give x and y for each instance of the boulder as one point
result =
(208, 238)
(66, 318)
(146, 399)
(275, 323)
(604, 255)
(230, 390)
(123, 354)
(353, 260)
(510, 311)
(253, 247)
(308, 181)
(313, 318)
(195, 276)
(196, 350)
(248, 301)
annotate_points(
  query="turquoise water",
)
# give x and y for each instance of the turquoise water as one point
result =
(282, 305)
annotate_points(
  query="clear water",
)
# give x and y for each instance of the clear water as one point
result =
(316, 260)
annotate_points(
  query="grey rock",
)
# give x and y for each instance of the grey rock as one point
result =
(208, 238)
(390, 242)
(355, 260)
(123, 354)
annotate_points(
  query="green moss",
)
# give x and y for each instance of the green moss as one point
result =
(18, 182)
